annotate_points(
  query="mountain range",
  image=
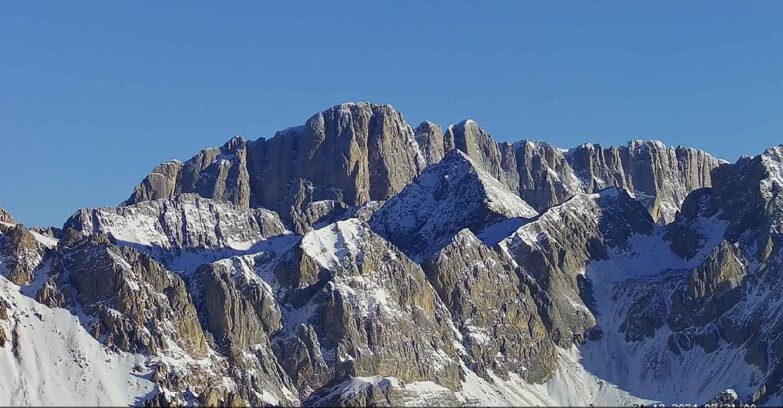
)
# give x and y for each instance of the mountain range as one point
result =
(358, 261)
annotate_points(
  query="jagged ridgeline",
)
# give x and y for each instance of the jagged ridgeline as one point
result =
(356, 260)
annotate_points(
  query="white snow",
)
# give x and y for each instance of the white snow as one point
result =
(58, 363)
(330, 245)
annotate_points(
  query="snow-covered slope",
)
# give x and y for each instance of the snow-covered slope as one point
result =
(186, 231)
(50, 359)
(446, 198)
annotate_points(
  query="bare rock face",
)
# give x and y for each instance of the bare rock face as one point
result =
(429, 136)
(731, 296)
(711, 289)
(658, 176)
(556, 247)
(20, 253)
(363, 151)
(544, 175)
(193, 342)
(367, 306)
(6, 217)
(475, 142)
(219, 173)
(367, 151)
(240, 314)
(309, 205)
(355, 153)
(238, 308)
(138, 305)
(448, 197)
(491, 302)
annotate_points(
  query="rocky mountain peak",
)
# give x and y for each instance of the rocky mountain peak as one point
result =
(6, 217)
(447, 197)
(429, 136)
(354, 153)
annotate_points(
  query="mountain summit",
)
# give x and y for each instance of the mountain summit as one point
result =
(358, 261)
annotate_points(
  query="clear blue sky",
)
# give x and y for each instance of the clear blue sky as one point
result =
(93, 95)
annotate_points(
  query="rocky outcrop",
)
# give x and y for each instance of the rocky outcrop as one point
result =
(449, 196)
(429, 136)
(20, 253)
(658, 176)
(218, 173)
(363, 151)
(6, 217)
(732, 296)
(237, 307)
(491, 303)
(354, 153)
(133, 304)
(710, 290)
(138, 305)
(343, 302)
(357, 306)
(557, 246)
(309, 205)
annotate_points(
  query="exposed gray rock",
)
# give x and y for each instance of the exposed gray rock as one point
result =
(138, 305)
(711, 289)
(493, 309)
(310, 205)
(732, 296)
(556, 247)
(218, 173)
(20, 253)
(238, 309)
(365, 152)
(429, 136)
(367, 307)
(6, 217)
(659, 176)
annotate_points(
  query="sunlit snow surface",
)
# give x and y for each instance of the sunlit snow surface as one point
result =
(56, 362)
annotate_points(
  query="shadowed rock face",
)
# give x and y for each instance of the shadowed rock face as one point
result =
(358, 152)
(732, 295)
(659, 176)
(556, 247)
(429, 136)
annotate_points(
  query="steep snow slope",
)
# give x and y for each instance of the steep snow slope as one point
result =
(446, 198)
(646, 274)
(50, 359)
